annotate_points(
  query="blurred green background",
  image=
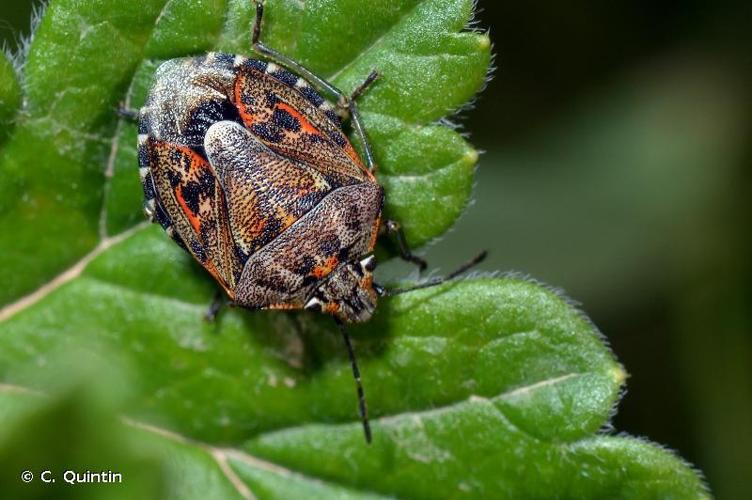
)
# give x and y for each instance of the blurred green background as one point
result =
(617, 140)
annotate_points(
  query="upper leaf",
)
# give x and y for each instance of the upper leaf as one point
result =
(10, 96)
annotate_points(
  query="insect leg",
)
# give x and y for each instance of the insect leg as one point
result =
(216, 304)
(343, 101)
(357, 125)
(129, 114)
(362, 406)
(360, 89)
(282, 59)
(394, 228)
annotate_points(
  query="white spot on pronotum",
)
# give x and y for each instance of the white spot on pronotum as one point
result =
(367, 264)
(149, 207)
(272, 68)
(142, 139)
(301, 84)
(142, 173)
(314, 303)
(239, 60)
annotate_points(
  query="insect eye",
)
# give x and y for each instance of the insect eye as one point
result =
(313, 305)
(368, 264)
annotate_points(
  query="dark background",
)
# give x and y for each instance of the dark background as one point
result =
(617, 168)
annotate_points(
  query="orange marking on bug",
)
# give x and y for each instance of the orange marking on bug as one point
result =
(355, 157)
(284, 307)
(305, 125)
(367, 282)
(375, 233)
(245, 114)
(197, 163)
(326, 268)
(209, 265)
(257, 228)
(285, 219)
(350, 150)
(192, 217)
(331, 308)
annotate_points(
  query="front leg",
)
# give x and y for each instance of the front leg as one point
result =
(128, 114)
(394, 228)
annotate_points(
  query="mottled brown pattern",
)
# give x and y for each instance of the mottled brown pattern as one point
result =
(341, 223)
(308, 135)
(266, 193)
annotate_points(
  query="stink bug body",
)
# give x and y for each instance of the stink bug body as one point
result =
(248, 168)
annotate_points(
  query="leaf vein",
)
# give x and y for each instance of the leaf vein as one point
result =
(69, 274)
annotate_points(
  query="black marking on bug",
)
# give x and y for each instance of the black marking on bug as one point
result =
(147, 184)
(338, 139)
(344, 253)
(256, 64)
(198, 250)
(330, 246)
(332, 115)
(307, 202)
(143, 156)
(311, 95)
(272, 100)
(192, 195)
(285, 120)
(205, 115)
(315, 138)
(306, 267)
(285, 77)
(221, 58)
(267, 131)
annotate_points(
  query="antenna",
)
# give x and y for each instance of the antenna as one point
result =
(362, 407)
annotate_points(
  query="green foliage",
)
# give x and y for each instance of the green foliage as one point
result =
(37, 432)
(10, 95)
(486, 385)
(489, 387)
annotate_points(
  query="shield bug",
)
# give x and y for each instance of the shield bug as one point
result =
(247, 167)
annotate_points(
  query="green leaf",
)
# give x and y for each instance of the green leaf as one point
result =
(483, 387)
(30, 441)
(495, 368)
(55, 165)
(10, 96)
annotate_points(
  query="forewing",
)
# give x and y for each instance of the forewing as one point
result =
(188, 195)
(287, 114)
